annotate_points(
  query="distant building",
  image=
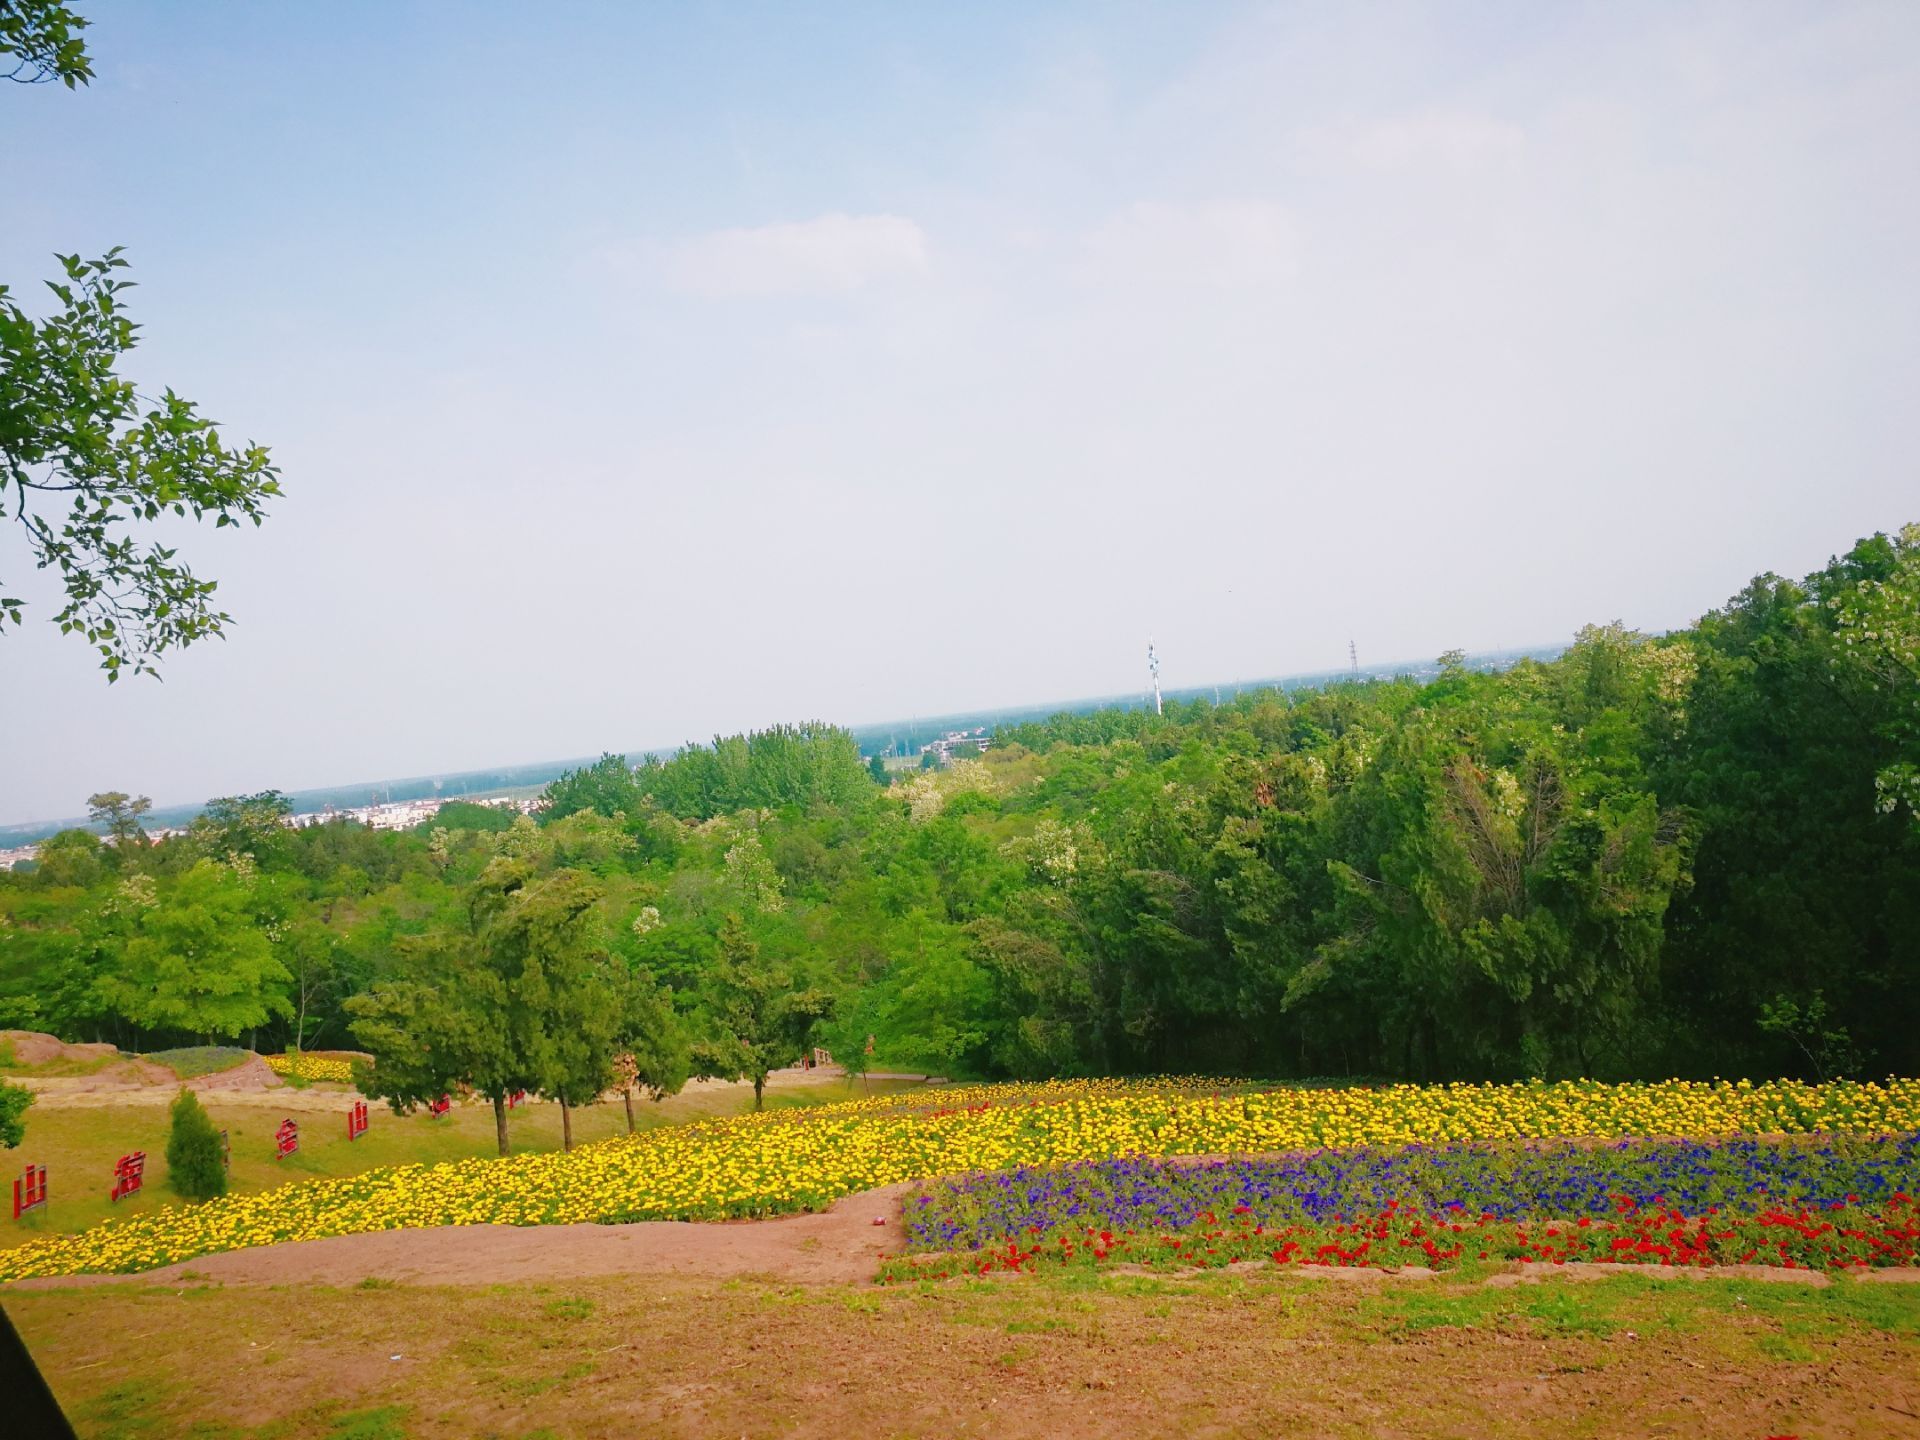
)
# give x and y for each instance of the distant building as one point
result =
(958, 742)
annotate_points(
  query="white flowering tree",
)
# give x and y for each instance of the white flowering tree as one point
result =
(1878, 625)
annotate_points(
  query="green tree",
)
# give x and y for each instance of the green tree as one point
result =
(652, 1055)
(42, 39)
(190, 956)
(87, 465)
(253, 825)
(310, 953)
(75, 434)
(195, 1166)
(72, 857)
(758, 1020)
(606, 787)
(14, 1100)
(120, 813)
(515, 1000)
(553, 939)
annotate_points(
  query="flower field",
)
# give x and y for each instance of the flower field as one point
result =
(785, 1161)
(1827, 1202)
(310, 1067)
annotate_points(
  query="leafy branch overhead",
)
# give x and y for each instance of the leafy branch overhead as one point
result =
(85, 460)
(43, 42)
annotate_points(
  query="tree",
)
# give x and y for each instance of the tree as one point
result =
(14, 1100)
(1876, 611)
(552, 938)
(42, 37)
(517, 1000)
(191, 957)
(120, 813)
(72, 857)
(195, 1166)
(253, 825)
(606, 787)
(309, 953)
(759, 1021)
(653, 1053)
(74, 433)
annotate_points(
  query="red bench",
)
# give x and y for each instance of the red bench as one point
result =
(129, 1172)
(440, 1107)
(286, 1139)
(30, 1191)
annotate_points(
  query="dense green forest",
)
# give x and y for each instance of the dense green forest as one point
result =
(1692, 854)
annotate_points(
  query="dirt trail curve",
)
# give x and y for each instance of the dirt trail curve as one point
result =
(838, 1245)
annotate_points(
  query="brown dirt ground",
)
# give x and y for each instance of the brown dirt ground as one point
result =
(840, 1244)
(1123, 1357)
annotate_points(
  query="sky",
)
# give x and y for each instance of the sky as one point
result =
(645, 372)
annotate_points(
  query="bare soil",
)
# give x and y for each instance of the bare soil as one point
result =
(841, 1244)
(1218, 1356)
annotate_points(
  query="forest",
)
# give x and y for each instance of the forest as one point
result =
(1692, 854)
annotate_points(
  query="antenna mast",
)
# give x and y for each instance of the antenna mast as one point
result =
(1353, 654)
(1153, 669)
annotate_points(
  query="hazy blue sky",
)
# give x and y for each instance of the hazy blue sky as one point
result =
(640, 372)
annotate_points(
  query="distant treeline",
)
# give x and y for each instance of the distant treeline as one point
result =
(1694, 854)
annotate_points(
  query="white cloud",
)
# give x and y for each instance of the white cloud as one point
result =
(1231, 244)
(1445, 140)
(831, 254)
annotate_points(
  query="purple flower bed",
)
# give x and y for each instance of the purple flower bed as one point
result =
(1550, 1179)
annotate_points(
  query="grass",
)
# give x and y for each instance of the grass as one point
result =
(1088, 1354)
(193, 1061)
(65, 1068)
(79, 1145)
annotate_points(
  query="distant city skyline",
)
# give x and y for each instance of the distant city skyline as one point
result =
(765, 362)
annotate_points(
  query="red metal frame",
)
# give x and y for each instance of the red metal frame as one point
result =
(357, 1120)
(440, 1107)
(286, 1139)
(129, 1174)
(30, 1190)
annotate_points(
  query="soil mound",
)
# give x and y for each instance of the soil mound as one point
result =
(30, 1047)
(250, 1074)
(109, 1069)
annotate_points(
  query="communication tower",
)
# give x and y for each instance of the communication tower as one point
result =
(1353, 655)
(1153, 671)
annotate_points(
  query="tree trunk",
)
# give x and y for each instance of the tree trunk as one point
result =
(759, 1090)
(566, 1126)
(627, 1095)
(500, 1121)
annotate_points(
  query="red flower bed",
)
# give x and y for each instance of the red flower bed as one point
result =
(1841, 1237)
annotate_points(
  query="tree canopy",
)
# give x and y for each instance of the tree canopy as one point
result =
(1685, 854)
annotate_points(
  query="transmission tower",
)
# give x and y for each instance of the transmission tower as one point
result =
(1353, 654)
(1153, 670)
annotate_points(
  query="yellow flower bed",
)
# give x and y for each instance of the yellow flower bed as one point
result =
(310, 1067)
(805, 1159)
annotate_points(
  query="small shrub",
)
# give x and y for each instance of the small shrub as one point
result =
(194, 1166)
(14, 1100)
